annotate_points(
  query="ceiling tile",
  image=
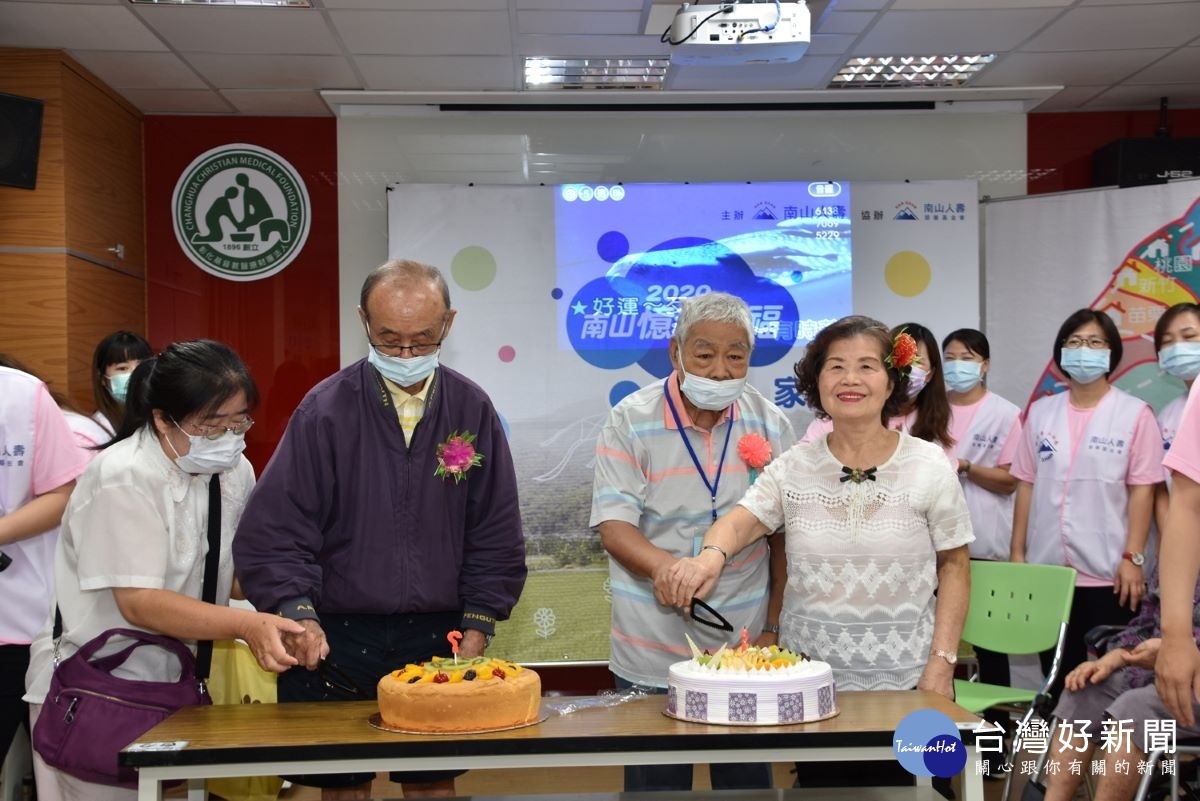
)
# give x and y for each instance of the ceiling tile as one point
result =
(1086, 68)
(582, 5)
(271, 104)
(275, 72)
(424, 33)
(1111, 27)
(586, 46)
(592, 23)
(1182, 65)
(953, 5)
(419, 5)
(829, 44)
(808, 73)
(1069, 99)
(74, 27)
(433, 73)
(861, 5)
(846, 21)
(1146, 96)
(165, 101)
(935, 32)
(228, 29)
(139, 70)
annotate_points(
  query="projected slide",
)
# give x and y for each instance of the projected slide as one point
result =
(633, 252)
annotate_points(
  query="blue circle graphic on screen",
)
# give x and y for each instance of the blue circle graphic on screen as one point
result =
(556, 293)
(926, 743)
(620, 391)
(629, 315)
(612, 246)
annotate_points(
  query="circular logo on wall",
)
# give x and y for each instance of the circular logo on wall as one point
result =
(241, 212)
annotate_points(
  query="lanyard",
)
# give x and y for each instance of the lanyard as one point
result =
(710, 486)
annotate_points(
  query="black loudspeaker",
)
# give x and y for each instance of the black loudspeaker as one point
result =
(20, 140)
(1137, 162)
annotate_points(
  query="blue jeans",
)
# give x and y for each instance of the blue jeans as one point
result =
(723, 775)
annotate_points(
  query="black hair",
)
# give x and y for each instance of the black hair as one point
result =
(931, 403)
(1078, 320)
(1168, 317)
(117, 347)
(973, 340)
(187, 378)
(808, 369)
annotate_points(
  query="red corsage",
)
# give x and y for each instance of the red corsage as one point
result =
(456, 456)
(754, 450)
(904, 353)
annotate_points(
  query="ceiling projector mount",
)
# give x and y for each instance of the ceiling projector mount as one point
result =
(734, 32)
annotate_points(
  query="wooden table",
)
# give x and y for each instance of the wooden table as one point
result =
(335, 737)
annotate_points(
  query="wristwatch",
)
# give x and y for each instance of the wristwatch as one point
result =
(1138, 559)
(771, 628)
(949, 656)
(965, 470)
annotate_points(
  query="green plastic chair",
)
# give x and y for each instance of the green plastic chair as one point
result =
(1016, 608)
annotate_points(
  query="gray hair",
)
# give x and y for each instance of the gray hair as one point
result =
(405, 272)
(714, 307)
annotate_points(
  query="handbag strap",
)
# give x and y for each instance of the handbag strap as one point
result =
(208, 591)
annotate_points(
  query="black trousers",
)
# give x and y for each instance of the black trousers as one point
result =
(14, 713)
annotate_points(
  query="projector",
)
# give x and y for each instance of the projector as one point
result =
(729, 33)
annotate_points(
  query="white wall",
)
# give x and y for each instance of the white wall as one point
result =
(591, 147)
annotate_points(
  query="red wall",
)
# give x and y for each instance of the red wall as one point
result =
(1062, 144)
(285, 327)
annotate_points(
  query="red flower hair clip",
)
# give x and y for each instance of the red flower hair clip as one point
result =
(904, 353)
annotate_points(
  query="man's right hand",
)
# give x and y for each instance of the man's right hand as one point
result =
(309, 646)
(1177, 677)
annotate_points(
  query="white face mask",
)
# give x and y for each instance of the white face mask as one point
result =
(962, 375)
(208, 456)
(917, 376)
(118, 385)
(403, 372)
(710, 395)
(1181, 360)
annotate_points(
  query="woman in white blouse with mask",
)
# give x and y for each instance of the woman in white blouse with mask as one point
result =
(1177, 341)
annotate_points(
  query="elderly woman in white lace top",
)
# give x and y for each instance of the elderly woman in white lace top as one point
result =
(875, 523)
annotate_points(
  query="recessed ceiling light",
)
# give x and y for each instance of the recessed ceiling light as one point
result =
(256, 3)
(875, 72)
(635, 72)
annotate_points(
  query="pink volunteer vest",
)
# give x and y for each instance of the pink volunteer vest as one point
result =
(991, 513)
(1079, 514)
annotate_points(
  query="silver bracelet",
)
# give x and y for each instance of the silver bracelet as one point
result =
(716, 548)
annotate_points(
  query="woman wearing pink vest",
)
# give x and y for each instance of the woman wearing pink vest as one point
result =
(986, 429)
(1087, 464)
(1177, 342)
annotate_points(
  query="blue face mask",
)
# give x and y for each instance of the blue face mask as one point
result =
(403, 372)
(1181, 360)
(962, 375)
(118, 385)
(1085, 365)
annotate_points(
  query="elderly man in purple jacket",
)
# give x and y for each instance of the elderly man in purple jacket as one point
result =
(368, 531)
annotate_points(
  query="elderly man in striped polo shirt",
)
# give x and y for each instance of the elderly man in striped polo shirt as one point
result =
(667, 466)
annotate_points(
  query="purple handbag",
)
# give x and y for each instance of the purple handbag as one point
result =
(89, 714)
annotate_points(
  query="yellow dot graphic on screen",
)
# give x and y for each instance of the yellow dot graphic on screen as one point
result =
(907, 273)
(473, 268)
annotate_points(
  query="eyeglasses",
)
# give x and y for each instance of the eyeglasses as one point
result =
(335, 679)
(216, 432)
(1095, 343)
(711, 616)
(394, 348)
